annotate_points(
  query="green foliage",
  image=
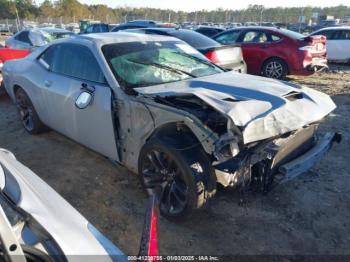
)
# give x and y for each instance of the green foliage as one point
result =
(70, 10)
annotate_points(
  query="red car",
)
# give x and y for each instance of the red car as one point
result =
(9, 54)
(275, 53)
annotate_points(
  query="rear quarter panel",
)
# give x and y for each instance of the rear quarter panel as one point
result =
(27, 74)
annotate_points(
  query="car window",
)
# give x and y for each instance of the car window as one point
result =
(275, 38)
(104, 28)
(48, 56)
(99, 28)
(342, 35)
(90, 29)
(23, 37)
(228, 38)
(254, 37)
(326, 33)
(76, 61)
(141, 64)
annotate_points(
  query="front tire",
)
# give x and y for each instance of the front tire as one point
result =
(29, 117)
(183, 174)
(275, 68)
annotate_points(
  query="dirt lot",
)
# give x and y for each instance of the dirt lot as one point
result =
(309, 215)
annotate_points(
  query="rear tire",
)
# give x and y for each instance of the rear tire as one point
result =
(275, 68)
(29, 117)
(183, 174)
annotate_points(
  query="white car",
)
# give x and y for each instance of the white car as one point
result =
(37, 224)
(338, 42)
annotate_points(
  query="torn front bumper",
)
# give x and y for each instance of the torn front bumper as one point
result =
(229, 173)
(307, 160)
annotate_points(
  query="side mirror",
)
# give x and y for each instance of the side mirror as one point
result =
(84, 100)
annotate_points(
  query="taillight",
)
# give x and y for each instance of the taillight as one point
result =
(212, 56)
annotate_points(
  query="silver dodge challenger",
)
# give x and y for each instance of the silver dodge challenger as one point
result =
(158, 107)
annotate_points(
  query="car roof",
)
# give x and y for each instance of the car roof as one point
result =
(122, 37)
(50, 30)
(165, 29)
(334, 28)
(255, 28)
(211, 27)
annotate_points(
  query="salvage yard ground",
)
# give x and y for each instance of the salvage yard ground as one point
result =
(309, 215)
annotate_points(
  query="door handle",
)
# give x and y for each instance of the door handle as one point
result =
(47, 83)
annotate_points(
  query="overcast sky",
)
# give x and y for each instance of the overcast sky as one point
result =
(192, 5)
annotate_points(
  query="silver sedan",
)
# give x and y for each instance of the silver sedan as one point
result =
(33, 38)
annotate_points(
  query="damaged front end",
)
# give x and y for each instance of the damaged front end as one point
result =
(276, 160)
(260, 129)
(256, 164)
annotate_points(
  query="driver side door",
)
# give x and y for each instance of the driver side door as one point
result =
(72, 69)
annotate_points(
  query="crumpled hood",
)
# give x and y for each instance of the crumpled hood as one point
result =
(263, 107)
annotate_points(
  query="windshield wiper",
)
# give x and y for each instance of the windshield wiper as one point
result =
(169, 68)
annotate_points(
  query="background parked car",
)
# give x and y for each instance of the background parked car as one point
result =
(32, 38)
(276, 52)
(326, 23)
(227, 57)
(139, 24)
(209, 31)
(338, 43)
(96, 28)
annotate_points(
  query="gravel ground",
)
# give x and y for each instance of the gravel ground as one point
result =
(308, 216)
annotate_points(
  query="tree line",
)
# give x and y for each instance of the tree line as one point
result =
(73, 10)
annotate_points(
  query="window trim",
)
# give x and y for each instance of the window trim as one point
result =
(69, 76)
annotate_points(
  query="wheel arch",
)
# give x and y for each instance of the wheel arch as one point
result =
(174, 129)
(16, 88)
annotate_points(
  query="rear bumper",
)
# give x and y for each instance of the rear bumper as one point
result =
(317, 64)
(307, 160)
(305, 63)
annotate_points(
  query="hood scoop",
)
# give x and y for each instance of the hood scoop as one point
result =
(293, 95)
